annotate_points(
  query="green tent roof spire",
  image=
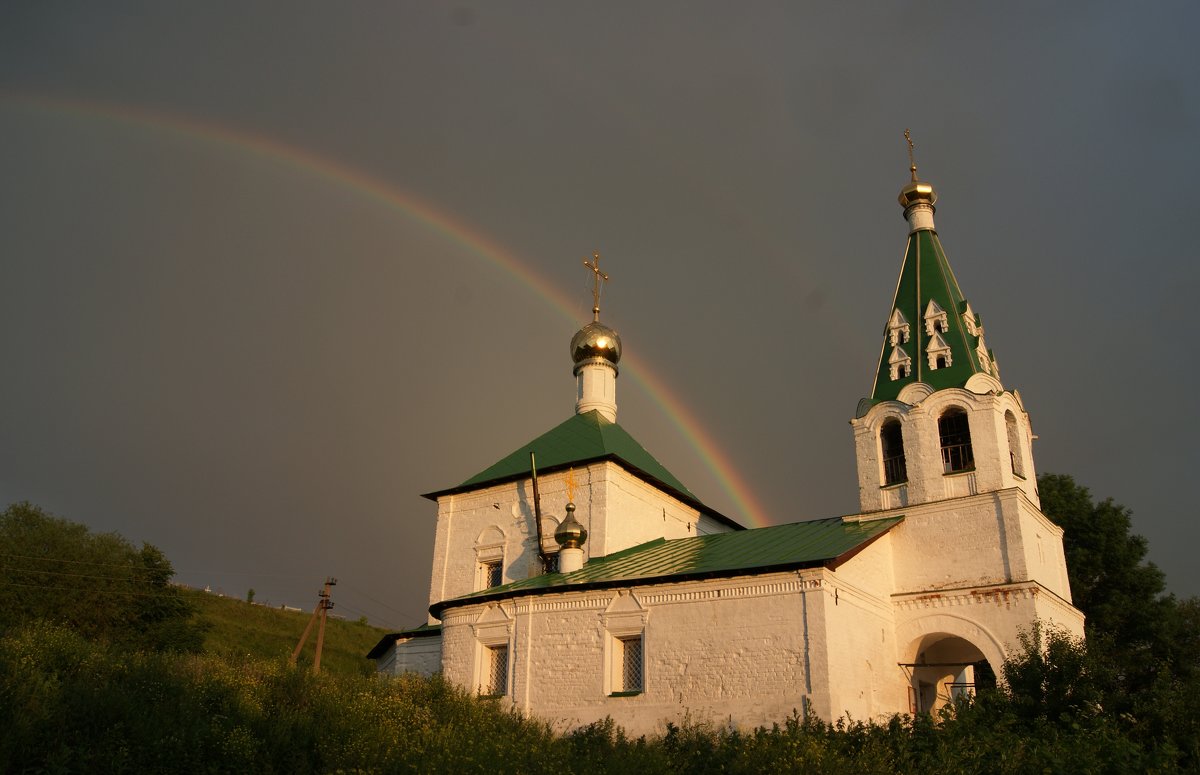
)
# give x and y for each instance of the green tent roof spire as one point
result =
(932, 335)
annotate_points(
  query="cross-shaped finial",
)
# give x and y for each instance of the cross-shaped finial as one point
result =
(597, 276)
(912, 164)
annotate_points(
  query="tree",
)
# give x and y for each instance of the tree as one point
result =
(98, 584)
(1146, 640)
(1122, 594)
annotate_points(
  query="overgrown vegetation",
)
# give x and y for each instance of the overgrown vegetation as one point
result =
(76, 697)
(70, 705)
(97, 584)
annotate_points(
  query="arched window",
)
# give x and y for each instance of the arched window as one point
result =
(891, 441)
(955, 433)
(1014, 444)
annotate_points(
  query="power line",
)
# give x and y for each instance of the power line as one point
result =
(132, 565)
(86, 590)
(129, 579)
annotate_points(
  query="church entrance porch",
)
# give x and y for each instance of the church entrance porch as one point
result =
(944, 667)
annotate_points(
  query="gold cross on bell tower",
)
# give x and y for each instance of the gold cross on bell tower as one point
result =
(912, 164)
(597, 276)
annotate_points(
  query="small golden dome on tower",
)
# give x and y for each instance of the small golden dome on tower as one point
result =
(595, 340)
(918, 191)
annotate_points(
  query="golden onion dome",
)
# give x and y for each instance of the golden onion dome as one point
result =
(570, 533)
(595, 340)
(917, 192)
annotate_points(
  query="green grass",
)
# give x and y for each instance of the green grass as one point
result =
(239, 628)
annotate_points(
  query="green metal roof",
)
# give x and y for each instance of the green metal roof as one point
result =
(800, 544)
(583, 438)
(926, 276)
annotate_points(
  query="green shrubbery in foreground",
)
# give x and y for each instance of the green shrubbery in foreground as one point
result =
(98, 674)
(72, 705)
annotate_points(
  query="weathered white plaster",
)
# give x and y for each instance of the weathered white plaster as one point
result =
(618, 509)
(596, 388)
(920, 216)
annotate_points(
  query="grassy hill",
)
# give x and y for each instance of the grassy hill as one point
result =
(237, 627)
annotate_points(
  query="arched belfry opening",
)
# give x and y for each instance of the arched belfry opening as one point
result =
(945, 667)
(954, 431)
(891, 443)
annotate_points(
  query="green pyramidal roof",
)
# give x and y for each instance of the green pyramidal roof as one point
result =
(783, 547)
(926, 278)
(583, 438)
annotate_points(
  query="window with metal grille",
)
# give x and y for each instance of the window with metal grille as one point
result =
(955, 434)
(492, 574)
(552, 563)
(497, 676)
(891, 439)
(631, 664)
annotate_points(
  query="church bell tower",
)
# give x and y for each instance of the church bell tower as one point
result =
(938, 424)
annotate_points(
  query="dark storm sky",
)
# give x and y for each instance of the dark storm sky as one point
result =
(211, 346)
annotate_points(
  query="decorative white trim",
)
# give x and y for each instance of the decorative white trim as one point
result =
(914, 393)
(983, 384)
(898, 328)
(999, 595)
(937, 348)
(899, 364)
(971, 321)
(935, 319)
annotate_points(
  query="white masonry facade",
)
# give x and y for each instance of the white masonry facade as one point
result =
(675, 611)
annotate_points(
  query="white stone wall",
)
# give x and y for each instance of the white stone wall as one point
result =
(987, 539)
(618, 509)
(749, 650)
(746, 651)
(422, 655)
(865, 680)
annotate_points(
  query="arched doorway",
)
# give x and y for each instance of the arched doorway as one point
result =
(943, 667)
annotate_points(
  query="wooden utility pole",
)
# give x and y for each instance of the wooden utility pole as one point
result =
(320, 612)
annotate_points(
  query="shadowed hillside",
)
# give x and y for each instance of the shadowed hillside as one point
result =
(238, 627)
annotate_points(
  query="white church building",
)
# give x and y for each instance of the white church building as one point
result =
(601, 586)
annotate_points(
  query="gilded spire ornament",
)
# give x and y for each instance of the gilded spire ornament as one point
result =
(912, 164)
(917, 191)
(597, 276)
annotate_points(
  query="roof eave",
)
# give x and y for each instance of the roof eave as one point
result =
(389, 640)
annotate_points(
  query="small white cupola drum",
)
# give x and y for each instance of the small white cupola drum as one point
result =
(595, 351)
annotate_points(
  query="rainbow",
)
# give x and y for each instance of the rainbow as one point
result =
(455, 230)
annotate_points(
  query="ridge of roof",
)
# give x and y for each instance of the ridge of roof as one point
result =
(780, 547)
(582, 438)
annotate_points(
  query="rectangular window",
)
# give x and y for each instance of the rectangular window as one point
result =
(492, 574)
(552, 563)
(631, 663)
(497, 676)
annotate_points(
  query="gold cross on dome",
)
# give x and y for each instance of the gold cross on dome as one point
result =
(912, 164)
(597, 276)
